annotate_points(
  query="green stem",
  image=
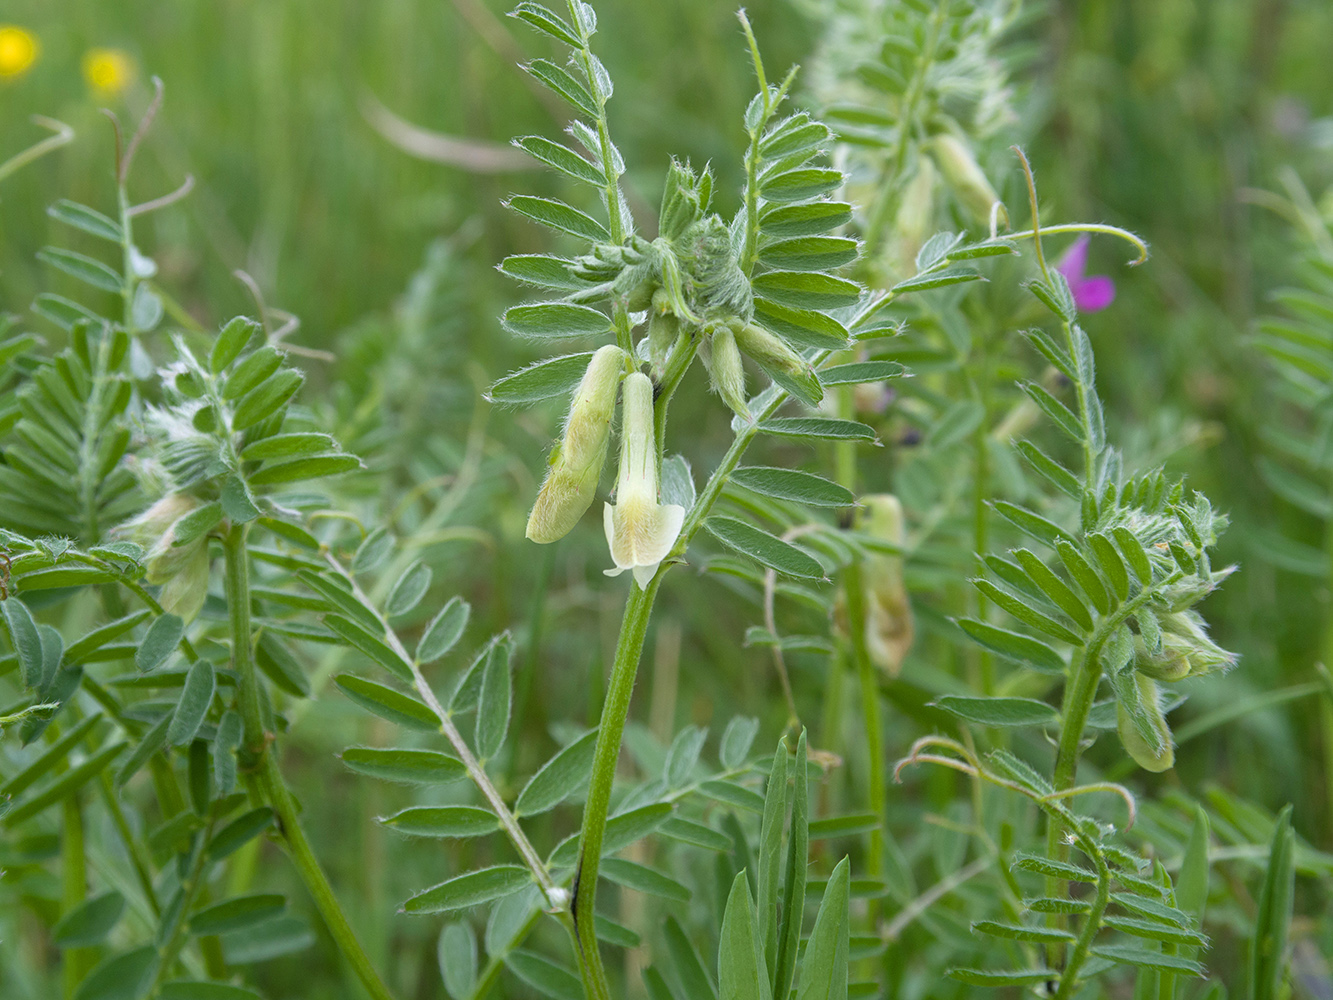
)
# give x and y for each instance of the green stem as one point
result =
(298, 849)
(1069, 977)
(74, 886)
(189, 890)
(254, 740)
(133, 846)
(615, 710)
(257, 757)
(865, 669)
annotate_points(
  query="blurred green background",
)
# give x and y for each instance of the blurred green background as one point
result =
(1154, 115)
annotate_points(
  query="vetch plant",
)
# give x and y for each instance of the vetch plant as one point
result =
(891, 475)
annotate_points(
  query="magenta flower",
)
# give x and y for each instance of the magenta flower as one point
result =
(1090, 294)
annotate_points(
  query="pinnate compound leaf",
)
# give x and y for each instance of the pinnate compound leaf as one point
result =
(1145, 959)
(120, 977)
(387, 703)
(457, 954)
(300, 469)
(562, 158)
(794, 485)
(240, 832)
(236, 913)
(1006, 977)
(494, 702)
(555, 320)
(408, 767)
(470, 889)
(559, 778)
(443, 821)
(87, 219)
(543, 380)
(765, 549)
(25, 639)
(953, 275)
(859, 372)
(196, 696)
(818, 428)
(409, 589)
(999, 711)
(737, 739)
(543, 19)
(86, 269)
(1022, 932)
(90, 921)
(198, 989)
(444, 630)
(641, 878)
(1013, 645)
(557, 215)
(548, 978)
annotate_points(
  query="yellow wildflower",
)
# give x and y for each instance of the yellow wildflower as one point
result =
(18, 50)
(108, 71)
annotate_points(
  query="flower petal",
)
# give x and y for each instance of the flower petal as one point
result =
(1094, 293)
(1074, 261)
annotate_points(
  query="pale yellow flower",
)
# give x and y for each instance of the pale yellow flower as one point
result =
(19, 49)
(639, 530)
(108, 71)
(576, 463)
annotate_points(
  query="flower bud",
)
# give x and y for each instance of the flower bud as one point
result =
(639, 530)
(916, 216)
(964, 175)
(890, 629)
(1186, 633)
(185, 592)
(1171, 663)
(1149, 740)
(726, 371)
(783, 365)
(576, 463)
(180, 570)
(663, 329)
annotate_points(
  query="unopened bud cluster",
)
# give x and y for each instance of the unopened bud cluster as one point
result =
(696, 296)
